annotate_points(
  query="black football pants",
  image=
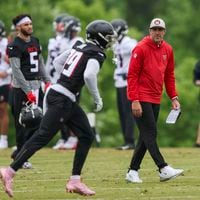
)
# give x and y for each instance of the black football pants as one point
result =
(147, 137)
(61, 110)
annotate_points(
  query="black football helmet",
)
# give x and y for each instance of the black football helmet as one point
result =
(101, 33)
(30, 116)
(120, 27)
(2, 29)
(71, 24)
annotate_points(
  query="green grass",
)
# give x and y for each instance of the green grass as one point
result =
(104, 171)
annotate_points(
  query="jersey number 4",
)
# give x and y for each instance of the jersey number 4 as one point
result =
(71, 62)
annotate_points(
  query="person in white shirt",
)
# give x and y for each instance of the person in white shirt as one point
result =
(54, 47)
(5, 80)
(122, 51)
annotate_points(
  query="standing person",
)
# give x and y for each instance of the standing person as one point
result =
(5, 80)
(151, 66)
(28, 71)
(122, 51)
(79, 65)
(71, 29)
(54, 46)
(196, 79)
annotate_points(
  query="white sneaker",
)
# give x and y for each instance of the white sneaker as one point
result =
(3, 144)
(71, 143)
(167, 173)
(27, 165)
(14, 148)
(59, 144)
(133, 177)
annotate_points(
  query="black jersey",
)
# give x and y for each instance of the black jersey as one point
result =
(28, 53)
(72, 76)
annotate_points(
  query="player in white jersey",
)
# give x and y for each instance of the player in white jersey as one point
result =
(122, 50)
(54, 47)
(72, 27)
(5, 80)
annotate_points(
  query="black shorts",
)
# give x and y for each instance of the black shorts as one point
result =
(4, 93)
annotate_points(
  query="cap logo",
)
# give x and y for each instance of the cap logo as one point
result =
(157, 22)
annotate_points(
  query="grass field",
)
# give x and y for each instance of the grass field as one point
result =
(104, 172)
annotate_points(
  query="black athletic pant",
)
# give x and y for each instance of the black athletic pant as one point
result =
(65, 131)
(22, 133)
(61, 110)
(147, 137)
(125, 114)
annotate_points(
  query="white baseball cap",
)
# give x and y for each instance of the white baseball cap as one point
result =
(157, 22)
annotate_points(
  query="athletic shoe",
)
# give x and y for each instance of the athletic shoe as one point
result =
(6, 175)
(126, 147)
(76, 186)
(167, 173)
(3, 144)
(197, 145)
(71, 143)
(14, 148)
(59, 144)
(133, 177)
(27, 165)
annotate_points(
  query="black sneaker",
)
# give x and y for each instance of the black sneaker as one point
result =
(126, 147)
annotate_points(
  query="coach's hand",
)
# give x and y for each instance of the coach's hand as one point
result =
(136, 109)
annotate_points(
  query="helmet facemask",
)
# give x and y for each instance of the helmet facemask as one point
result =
(109, 40)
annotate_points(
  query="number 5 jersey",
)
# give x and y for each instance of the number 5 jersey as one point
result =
(27, 64)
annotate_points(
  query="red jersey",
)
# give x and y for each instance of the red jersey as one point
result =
(151, 66)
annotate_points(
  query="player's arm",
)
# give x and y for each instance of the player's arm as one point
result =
(23, 84)
(60, 61)
(90, 78)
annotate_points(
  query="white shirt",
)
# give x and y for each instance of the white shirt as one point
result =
(53, 51)
(68, 44)
(4, 66)
(122, 52)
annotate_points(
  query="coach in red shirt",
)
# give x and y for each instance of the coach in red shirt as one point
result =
(151, 66)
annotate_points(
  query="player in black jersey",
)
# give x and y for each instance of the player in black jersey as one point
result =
(78, 66)
(28, 71)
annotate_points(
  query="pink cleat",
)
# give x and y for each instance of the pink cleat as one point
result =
(76, 186)
(6, 175)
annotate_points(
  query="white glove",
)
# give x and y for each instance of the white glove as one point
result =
(98, 105)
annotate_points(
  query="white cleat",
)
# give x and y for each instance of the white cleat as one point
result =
(27, 165)
(59, 145)
(167, 173)
(133, 177)
(71, 143)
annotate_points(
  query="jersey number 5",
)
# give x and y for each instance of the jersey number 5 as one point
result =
(34, 62)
